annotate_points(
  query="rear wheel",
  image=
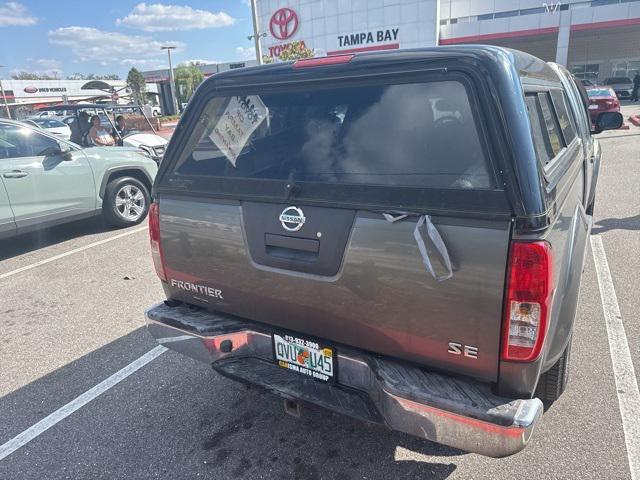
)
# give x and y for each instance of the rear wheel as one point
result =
(553, 382)
(126, 202)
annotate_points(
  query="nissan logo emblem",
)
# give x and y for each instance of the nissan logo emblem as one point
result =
(292, 219)
(283, 23)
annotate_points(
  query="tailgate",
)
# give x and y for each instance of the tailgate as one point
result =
(347, 276)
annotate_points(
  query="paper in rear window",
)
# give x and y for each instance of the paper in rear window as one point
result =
(242, 115)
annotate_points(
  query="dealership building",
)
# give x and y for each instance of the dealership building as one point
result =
(25, 96)
(594, 39)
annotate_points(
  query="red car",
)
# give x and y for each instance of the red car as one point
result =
(602, 99)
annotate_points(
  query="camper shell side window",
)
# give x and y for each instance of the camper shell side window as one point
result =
(553, 128)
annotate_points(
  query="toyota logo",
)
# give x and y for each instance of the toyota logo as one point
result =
(292, 219)
(283, 23)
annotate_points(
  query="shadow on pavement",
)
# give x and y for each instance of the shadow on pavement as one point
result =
(176, 418)
(29, 242)
(251, 433)
(606, 224)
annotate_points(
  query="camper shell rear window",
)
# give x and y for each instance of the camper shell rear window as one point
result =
(416, 135)
(417, 141)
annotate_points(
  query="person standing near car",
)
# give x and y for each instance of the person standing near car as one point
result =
(121, 125)
(82, 127)
(120, 129)
(98, 135)
(636, 87)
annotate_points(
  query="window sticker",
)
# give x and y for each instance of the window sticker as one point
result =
(240, 119)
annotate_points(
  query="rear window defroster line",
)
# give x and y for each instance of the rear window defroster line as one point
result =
(434, 236)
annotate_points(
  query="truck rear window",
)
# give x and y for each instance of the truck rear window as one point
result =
(415, 135)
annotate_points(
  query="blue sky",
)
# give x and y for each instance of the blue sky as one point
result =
(89, 36)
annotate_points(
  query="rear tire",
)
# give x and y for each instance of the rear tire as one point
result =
(553, 382)
(126, 202)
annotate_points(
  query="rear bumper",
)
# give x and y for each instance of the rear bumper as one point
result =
(623, 92)
(453, 411)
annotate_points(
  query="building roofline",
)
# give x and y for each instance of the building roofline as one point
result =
(499, 35)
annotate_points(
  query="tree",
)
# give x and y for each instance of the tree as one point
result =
(32, 76)
(187, 80)
(135, 81)
(92, 76)
(295, 51)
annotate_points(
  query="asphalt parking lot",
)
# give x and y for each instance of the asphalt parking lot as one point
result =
(71, 304)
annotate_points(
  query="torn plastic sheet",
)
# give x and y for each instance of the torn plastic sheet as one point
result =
(239, 120)
(434, 236)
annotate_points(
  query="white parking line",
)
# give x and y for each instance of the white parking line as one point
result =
(623, 371)
(70, 252)
(180, 338)
(63, 412)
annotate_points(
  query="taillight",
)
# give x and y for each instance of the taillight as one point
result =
(322, 61)
(154, 237)
(529, 291)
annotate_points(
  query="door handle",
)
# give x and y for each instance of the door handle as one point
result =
(292, 243)
(15, 174)
(292, 248)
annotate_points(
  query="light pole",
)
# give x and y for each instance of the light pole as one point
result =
(6, 105)
(172, 84)
(256, 34)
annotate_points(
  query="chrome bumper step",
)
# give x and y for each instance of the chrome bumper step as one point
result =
(454, 411)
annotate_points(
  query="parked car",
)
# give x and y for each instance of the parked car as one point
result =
(587, 83)
(602, 99)
(147, 141)
(44, 114)
(52, 125)
(338, 244)
(45, 181)
(623, 86)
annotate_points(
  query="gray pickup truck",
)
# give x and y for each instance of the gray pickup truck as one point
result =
(398, 237)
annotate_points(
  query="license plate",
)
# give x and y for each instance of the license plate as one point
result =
(593, 107)
(303, 356)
